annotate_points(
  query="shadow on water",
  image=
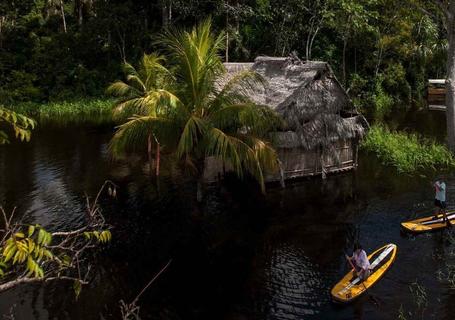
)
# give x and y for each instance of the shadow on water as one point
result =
(247, 256)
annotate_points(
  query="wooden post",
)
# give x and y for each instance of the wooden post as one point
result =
(282, 183)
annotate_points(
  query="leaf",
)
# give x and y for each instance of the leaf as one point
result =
(31, 230)
(66, 260)
(105, 236)
(10, 253)
(8, 247)
(47, 238)
(31, 245)
(77, 288)
(41, 254)
(48, 254)
(41, 235)
(87, 235)
(17, 257)
(19, 235)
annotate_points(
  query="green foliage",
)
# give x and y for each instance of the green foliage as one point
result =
(73, 111)
(406, 152)
(41, 62)
(381, 100)
(20, 125)
(31, 248)
(27, 251)
(102, 237)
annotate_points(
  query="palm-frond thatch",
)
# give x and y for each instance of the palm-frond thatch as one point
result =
(316, 109)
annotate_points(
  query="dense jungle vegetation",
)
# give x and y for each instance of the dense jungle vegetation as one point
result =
(382, 50)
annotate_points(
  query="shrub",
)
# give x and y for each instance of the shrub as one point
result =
(407, 152)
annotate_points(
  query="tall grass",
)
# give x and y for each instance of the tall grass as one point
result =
(94, 111)
(407, 152)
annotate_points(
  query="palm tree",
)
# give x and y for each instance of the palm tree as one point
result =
(141, 95)
(197, 115)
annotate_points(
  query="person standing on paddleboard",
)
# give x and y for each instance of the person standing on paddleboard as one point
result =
(440, 200)
(360, 261)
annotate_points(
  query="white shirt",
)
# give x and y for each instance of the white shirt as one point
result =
(440, 191)
(360, 258)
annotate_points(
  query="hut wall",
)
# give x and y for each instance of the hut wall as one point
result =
(296, 162)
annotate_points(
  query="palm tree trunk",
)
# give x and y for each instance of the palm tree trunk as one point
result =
(200, 166)
(200, 190)
(149, 153)
(158, 158)
(450, 85)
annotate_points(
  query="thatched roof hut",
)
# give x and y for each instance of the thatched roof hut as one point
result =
(322, 127)
(316, 109)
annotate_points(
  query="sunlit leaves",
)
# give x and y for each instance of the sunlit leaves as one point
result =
(20, 124)
(101, 236)
(32, 249)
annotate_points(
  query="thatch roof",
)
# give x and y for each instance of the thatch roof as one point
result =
(314, 105)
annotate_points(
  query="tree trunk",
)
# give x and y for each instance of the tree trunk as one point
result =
(345, 42)
(149, 153)
(62, 12)
(200, 166)
(166, 13)
(450, 83)
(79, 5)
(227, 37)
(158, 158)
(200, 190)
(2, 19)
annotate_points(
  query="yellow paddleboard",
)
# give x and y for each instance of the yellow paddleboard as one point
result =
(351, 287)
(428, 223)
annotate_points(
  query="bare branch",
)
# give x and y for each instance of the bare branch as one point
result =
(131, 310)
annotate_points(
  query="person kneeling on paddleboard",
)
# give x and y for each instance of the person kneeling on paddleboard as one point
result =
(440, 200)
(360, 262)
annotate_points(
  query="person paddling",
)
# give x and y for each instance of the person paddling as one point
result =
(360, 262)
(440, 201)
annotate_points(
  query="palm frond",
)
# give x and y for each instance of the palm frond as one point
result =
(132, 136)
(239, 88)
(246, 117)
(194, 129)
(122, 89)
(252, 155)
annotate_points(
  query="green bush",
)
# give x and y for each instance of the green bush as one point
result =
(406, 152)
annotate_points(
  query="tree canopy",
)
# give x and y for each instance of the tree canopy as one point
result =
(382, 50)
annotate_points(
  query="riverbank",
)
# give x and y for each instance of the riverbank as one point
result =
(86, 110)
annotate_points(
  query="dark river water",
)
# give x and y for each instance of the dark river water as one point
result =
(241, 255)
